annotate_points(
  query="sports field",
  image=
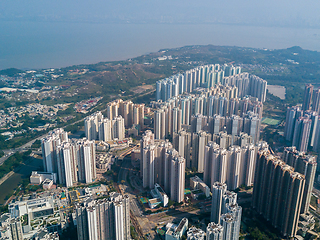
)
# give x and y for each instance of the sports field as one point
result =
(270, 121)
(187, 191)
(144, 200)
(161, 232)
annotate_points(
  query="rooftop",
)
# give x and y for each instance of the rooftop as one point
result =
(181, 224)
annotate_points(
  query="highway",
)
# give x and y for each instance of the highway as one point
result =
(9, 152)
(28, 144)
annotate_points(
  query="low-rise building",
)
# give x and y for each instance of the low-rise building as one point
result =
(134, 130)
(43, 234)
(39, 177)
(154, 202)
(306, 224)
(102, 146)
(158, 192)
(175, 233)
(47, 184)
(197, 183)
(19, 228)
(104, 162)
(33, 208)
(5, 232)
(196, 193)
(119, 144)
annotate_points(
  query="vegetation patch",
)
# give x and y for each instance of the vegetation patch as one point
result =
(270, 121)
(14, 161)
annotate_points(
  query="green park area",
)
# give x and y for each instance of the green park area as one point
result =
(143, 200)
(270, 121)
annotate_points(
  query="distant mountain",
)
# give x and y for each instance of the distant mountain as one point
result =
(10, 72)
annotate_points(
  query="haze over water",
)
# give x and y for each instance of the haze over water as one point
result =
(59, 44)
(44, 34)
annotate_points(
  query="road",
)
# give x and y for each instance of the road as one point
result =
(9, 152)
(316, 190)
(127, 171)
(149, 222)
(122, 177)
(173, 215)
(28, 144)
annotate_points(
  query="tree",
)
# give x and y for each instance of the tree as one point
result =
(257, 234)
(4, 209)
(201, 197)
(36, 144)
(170, 203)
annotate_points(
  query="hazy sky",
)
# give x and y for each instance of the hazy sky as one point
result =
(266, 13)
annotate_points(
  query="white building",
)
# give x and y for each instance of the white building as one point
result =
(104, 218)
(175, 233)
(39, 177)
(33, 208)
(159, 124)
(159, 193)
(197, 183)
(214, 231)
(92, 223)
(224, 211)
(218, 190)
(147, 139)
(86, 159)
(118, 129)
(91, 126)
(194, 233)
(49, 145)
(67, 164)
(105, 129)
(177, 179)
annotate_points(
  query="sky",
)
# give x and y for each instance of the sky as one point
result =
(287, 13)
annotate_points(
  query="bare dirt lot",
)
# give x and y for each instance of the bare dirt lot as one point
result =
(141, 89)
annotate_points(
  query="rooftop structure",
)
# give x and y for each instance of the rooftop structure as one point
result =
(197, 183)
(160, 194)
(39, 177)
(176, 233)
(195, 234)
(34, 208)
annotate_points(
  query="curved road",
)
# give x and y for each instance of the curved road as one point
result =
(9, 152)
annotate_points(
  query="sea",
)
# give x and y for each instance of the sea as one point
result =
(37, 45)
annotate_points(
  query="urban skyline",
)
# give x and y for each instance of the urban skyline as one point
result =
(163, 164)
(211, 132)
